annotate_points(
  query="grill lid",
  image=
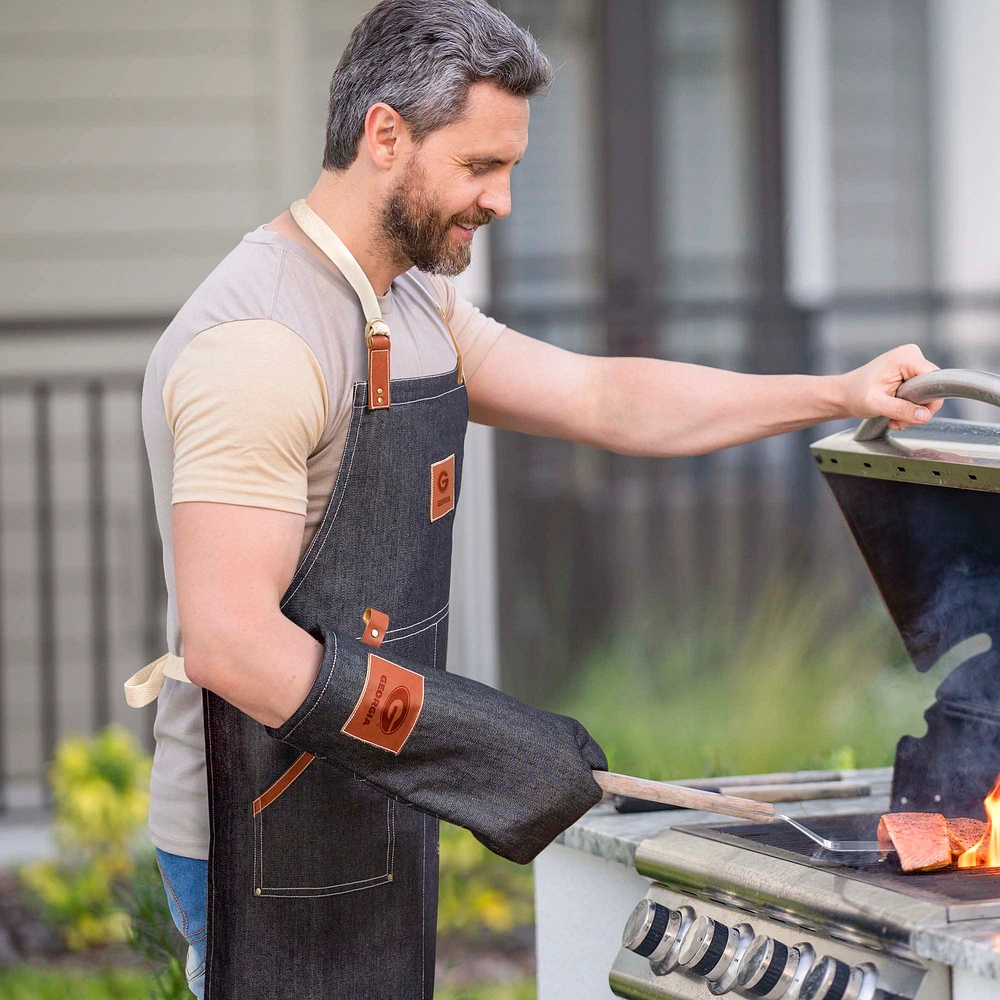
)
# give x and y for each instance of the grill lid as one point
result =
(924, 509)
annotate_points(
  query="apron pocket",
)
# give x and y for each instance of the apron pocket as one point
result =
(425, 641)
(324, 833)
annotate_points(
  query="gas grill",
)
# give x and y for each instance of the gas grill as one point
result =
(758, 910)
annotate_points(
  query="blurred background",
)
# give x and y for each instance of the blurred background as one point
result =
(763, 185)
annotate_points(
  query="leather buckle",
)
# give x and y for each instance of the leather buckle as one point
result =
(376, 328)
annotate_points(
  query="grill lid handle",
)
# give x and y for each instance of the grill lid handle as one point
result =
(947, 383)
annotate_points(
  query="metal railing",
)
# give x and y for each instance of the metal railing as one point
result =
(81, 579)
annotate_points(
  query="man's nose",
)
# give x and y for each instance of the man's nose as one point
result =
(496, 199)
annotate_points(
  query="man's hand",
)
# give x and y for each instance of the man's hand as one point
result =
(870, 391)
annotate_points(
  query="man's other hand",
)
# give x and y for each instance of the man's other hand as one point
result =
(870, 391)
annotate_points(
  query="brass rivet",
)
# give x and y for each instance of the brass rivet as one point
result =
(379, 391)
(257, 891)
(374, 633)
(388, 878)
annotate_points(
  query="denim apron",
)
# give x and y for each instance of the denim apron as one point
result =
(319, 886)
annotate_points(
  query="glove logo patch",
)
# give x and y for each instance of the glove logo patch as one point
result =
(442, 487)
(394, 712)
(389, 706)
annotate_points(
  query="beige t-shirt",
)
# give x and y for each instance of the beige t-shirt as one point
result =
(247, 400)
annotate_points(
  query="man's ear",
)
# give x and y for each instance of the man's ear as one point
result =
(384, 130)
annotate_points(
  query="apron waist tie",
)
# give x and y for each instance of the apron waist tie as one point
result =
(144, 685)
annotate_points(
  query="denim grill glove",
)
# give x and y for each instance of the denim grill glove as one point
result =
(515, 776)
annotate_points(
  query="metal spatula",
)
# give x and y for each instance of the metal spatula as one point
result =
(726, 805)
(839, 846)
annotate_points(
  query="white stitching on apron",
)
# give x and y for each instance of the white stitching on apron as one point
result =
(210, 911)
(388, 839)
(323, 522)
(427, 399)
(320, 895)
(423, 911)
(410, 635)
(403, 628)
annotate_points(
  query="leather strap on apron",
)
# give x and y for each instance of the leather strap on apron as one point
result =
(376, 330)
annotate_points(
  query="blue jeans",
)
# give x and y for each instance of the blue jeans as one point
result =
(186, 883)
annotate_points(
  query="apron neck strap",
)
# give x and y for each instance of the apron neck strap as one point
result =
(333, 246)
(376, 329)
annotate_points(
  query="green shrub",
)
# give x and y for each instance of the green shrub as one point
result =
(786, 688)
(478, 890)
(100, 790)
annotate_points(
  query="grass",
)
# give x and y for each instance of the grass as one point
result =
(490, 991)
(33, 984)
(25, 983)
(783, 690)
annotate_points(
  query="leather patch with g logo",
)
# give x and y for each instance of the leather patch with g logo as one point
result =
(389, 706)
(442, 487)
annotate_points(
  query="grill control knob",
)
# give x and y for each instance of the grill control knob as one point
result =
(656, 933)
(771, 968)
(832, 979)
(715, 951)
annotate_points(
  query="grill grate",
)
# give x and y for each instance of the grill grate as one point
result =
(950, 886)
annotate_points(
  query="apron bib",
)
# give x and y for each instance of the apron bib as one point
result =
(320, 886)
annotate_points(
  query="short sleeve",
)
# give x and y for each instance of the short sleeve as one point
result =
(475, 332)
(247, 404)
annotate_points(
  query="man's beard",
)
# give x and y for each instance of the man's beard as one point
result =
(416, 232)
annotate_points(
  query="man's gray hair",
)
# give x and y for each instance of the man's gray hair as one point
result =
(420, 57)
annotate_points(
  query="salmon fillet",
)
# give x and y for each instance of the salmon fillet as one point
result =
(883, 835)
(921, 840)
(964, 833)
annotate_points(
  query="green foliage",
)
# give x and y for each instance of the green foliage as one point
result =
(489, 991)
(784, 689)
(25, 983)
(478, 890)
(152, 931)
(100, 789)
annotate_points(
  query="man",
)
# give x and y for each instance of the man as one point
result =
(304, 416)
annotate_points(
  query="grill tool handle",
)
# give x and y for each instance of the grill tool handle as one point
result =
(948, 383)
(685, 798)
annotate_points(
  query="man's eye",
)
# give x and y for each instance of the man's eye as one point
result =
(479, 169)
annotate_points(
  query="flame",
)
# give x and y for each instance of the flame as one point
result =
(988, 847)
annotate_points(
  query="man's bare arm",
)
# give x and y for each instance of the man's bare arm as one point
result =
(643, 406)
(232, 565)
